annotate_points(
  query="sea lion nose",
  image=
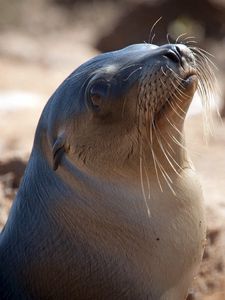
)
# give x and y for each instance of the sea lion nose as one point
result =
(178, 53)
(173, 53)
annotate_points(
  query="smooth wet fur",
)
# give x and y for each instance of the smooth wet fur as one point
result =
(110, 206)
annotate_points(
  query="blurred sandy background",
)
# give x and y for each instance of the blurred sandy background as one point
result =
(41, 42)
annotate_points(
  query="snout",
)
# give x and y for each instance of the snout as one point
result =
(179, 54)
(179, 58)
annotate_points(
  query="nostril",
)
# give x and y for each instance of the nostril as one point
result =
(178, 50)
(173, 55)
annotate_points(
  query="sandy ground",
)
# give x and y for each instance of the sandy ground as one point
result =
(35, 74)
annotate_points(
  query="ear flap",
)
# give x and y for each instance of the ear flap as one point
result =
(57, 151)
(98, 92)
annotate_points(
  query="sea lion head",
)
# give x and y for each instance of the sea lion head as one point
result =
(121, 101)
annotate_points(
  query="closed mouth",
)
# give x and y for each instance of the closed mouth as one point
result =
(189, 82)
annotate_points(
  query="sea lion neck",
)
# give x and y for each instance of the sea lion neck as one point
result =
(115, 155)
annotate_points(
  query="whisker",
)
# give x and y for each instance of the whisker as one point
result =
(166, 177)
(179, 91)
(175, 74)
(123, 108)
(151, 31)
(156, 170)
(207, 87)
(175, 140)
(132, 73)
(148, 183)
(172, 104)
(179, 37)
(161, 135)
(142, 182)
(162, 70)
(164, 145)
(165, 153)
(167, 37)
(174, 109)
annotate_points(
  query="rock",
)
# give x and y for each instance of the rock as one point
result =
(11, 172)
(135, 24)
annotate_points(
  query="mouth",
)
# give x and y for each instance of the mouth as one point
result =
(189, 80)
(185, 92)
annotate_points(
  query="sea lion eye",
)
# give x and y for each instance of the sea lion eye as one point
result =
(98, 92)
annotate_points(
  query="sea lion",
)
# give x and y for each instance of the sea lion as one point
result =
(110, 206)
